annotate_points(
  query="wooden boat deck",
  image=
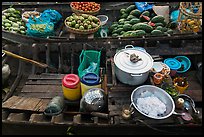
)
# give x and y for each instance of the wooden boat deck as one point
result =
(27, 106)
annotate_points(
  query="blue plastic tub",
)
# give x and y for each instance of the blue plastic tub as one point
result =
(185, 61)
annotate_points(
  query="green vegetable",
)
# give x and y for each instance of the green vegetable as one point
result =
(157, 19)
(170, 31)
(122, 11)
(22, 28)
(127, 22)
(22, 32)
(130, 8)
(124, 16)
(15, 28)
(142, 26)
(7, 24)
(11, 10)
(134, 21)
(113, 26)
(159, 24)
(15, 25)
(119, 30)
(3, 17)
(135, 13)
(127, 34)
(159, 28)
(81, 27)
(146, 13)
(12, 18)
(130, 17)
(156, 32)
(115, 35)
(122, 32)
(127, 27)
(138, 33)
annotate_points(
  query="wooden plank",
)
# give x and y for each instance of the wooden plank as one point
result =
(28, 104)
(41, 106)
(10, 102)
(16, 103)
(44, 82)
(47, 76)
(41, 95)
(42, 88)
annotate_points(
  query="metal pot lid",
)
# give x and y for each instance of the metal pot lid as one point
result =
(122, 60)
(173, 63)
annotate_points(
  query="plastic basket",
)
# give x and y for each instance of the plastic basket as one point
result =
(190, 17)
(84, 12)
(85, 58)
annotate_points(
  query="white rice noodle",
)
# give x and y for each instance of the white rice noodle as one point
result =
(151, 106)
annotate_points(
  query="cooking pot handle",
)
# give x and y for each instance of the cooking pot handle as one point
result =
(132, 108)
(131, 46)
(135, 75)
(179, 114)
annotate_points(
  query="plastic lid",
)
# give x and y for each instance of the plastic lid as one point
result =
(70, 80)
(173, 63)
(122, 61)
(90, 79)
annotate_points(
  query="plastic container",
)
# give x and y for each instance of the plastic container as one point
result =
(87, 57)
(185, 63)
(71, 87)
(173, 64)
(88, 81)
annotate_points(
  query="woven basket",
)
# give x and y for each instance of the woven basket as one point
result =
(84, 12)
(77, 31)
(186, 17)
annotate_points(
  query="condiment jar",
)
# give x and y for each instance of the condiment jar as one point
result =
(157, 78)
(88, 81)
(71, 87)
(179, 103)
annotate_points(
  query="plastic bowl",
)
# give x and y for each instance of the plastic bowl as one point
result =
(103, 19)
(185, 62)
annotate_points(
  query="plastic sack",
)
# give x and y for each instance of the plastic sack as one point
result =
(39, 27)
(142, 6)
(51, 15)
(92, 67)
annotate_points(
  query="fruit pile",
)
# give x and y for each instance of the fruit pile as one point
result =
(27, 14)
(85, 6)
(83, 22)
(133, 23)
(12, 22)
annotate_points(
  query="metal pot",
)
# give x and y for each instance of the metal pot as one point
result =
(163, 96)
(132, 65)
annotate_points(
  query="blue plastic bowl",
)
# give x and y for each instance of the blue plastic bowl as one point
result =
(185, 61)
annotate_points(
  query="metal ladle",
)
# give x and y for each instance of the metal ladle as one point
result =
(191, 103)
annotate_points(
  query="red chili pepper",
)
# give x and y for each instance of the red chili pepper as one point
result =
(145, 17)
(151, 24)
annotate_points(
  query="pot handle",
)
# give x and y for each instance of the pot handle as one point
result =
(131, 46)
(132, 108)
(179, 114)
(135, 75)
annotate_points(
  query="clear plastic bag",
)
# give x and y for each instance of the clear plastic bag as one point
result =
(92, 67)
